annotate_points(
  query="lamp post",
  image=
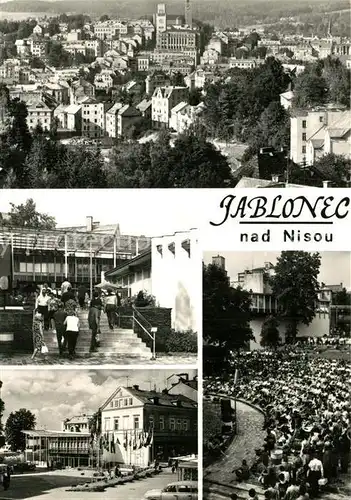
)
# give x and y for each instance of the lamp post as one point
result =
(91, 268)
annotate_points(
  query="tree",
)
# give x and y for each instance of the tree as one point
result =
(335, 168)
(226, 311)
(177, 79)
(295, 286)
(57, 56)
(270, 333)
(272, 129)
(342, 298)
(26, 215)
(310, 90)
(2, 409)
(104, 17)
(21, 420)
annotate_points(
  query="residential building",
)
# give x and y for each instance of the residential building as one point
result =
(163, 101)
(69, 117)
(40, 113)
(93, 118)
(53, 256)
(104, 80)
(78, 423)
(119, 118)
(182, 384)
(172, 260)
(244, 63)
(155, 80)
(59, 91)
(304, 125)
(143, 425)
(183, 115)
(38, 47)
(143, 63)
(23, 49)
(334, 137)
(145, 108)
(286, 99)
(210, 57)
(81, 89)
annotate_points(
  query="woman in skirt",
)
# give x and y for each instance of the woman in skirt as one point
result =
(38, 333)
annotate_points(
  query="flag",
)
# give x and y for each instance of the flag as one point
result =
(117, 440)
(5, 266)
(146, 437)
(130, 440)
(152, 438)
(112, 445)
(125, 444)
(134, 441)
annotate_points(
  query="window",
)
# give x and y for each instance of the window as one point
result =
(151, 422)
(304, 136)
(125, 422)
(172, 424)
(170, 489)
(179, 424)
(111, 404)
(58, 267)
(321, 119)
(116, 424)
(303, 149)
(126, 402)
(185, 426)
(51, 267)
(29, 267)
(130, 401)
(136, 421)
(162, 423)
(23, 267)
(107, 423)
(304, 123)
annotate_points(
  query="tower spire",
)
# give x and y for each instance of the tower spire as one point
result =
(188, 14)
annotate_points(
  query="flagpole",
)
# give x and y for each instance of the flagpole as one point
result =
(12, 263)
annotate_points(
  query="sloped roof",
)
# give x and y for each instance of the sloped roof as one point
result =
(340, 126)
(115, 108)
(144, 105)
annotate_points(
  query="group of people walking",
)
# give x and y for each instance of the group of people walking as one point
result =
(59, 312)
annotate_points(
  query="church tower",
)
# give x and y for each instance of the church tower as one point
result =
(188, 14)
(161, 18)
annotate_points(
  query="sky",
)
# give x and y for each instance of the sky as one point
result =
(139, 212)
(53, 395)
(335, 266)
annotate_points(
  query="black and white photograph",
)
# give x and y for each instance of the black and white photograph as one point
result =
(99, 434)
(179, 94)
(96, 279)
(276, 352)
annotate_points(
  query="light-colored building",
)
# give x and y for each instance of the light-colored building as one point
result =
(183, 115)
(138, 425)
(177, 40)
(69, 117)
(308, 125)
(163, 101)
(332, 138)
(104, 80)
(40, 112)
(93, 118)
(156, 80)
(182, 384)
(168, 271)
(119, 118)
(78, 423)
(286, 99)
(244, 63)
(38, 48)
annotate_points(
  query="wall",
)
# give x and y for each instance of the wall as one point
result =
(176, 277)
(318, 328)
(20, 323)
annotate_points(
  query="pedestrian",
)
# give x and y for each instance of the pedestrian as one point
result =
(59, 319)
(111, 307)
(53, 305)
(81, 296)
(72, 331)
(42, 306)
(118, 472)
(69, 301)
(38, 334)
(94, 319)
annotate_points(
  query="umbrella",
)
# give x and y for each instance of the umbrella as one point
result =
(106, 285)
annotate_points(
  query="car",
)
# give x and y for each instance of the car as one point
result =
(181, 490)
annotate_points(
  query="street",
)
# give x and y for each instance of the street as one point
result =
(52, 486)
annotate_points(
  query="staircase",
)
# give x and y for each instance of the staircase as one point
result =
(117, 342)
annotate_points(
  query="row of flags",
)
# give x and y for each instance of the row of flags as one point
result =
(132, 440)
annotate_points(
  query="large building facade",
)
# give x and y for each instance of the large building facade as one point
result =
(73, 253)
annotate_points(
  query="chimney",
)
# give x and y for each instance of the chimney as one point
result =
(156, 400)
(326, 184)
(136, 387)
(165, 391)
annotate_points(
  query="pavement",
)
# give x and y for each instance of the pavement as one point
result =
(250, 436)
(98, 359)
(53, 486)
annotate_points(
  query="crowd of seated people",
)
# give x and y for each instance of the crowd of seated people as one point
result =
(307, 419)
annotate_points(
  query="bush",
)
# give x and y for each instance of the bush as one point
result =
(181, 341)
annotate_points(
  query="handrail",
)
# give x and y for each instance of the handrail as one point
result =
(151, 334)
(142, 316)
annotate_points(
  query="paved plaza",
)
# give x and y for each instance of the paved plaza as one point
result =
(53, 486)
(98, 359)
(250, 437)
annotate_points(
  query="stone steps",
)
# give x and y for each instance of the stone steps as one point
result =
(112, 341)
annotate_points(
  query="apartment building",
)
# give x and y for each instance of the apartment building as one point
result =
(40, 113)
(93, 118)
(177, 40)
(163, 101)
(308, 125)
(119, 118)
